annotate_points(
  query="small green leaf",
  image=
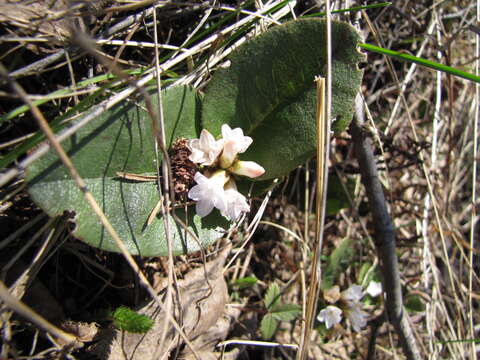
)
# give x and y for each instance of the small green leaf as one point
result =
(268, 326)
(365, 271)
(122, 140)
(272, 297)
(414, 303)
(338, 262)
(336, 197)
(286, 312)
(245, 282)
(269, 91)
(128, 320)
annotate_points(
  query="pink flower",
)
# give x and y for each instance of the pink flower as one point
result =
(205, 150)
(354, 312)
(236, 202)
(353, 293)
(357, 317)
(374, 288)
(331, 315)
(235, 143)
(209, 193)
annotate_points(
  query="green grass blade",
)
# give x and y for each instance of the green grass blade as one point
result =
(63, 92)
(424, 62)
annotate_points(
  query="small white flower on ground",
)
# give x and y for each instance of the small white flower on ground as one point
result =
(357, 317)
(353, 293)
(374, 288)
(331, 315)
(236, 203)
(247, 168)
(209, 193)
(206, 149)
(235, 143)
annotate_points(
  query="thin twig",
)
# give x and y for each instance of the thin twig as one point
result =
(384, 240)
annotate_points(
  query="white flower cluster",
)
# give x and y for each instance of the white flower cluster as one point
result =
(352, 308)
(216, 187)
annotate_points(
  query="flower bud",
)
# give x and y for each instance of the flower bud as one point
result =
(247, 168)
(228, 155)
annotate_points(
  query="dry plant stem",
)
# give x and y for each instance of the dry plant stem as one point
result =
(323, 118)
(384, 240)
(424, 170)
(20, 308)
(323, 131)
(159, 133)
(374, 327)
(42, 122)
(474, 190)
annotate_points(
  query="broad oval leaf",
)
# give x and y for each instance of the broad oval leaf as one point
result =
(121, 140)
(269, 91)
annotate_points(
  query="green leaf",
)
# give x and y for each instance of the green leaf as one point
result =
(268, 326)
(336, 197)
(128, 320)
(286, 312)
(269, 91)
(121, 139)
(338, 262)
(414, 303)
(245, 282)
(364, 272)
(420, 61)
(272, 297)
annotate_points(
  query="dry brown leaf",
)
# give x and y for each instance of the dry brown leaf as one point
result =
(201, 307)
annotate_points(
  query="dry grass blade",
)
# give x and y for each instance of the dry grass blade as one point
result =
(23, 310)
(323, 136)
(136, 177)
(324, 108)
(473, 222)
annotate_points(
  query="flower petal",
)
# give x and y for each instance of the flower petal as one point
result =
(209, 192)
(206, 149)
(331, 315)
(203, 208)
(247, 168)
(353, 293)
(357, 317)
(374, 288)
(236, 204)
(195, 193)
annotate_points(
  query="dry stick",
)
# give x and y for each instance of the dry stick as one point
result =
(164, 194)
(20, 308)
(324, 109)
(384, 240)
(322, 169)
(42, 122)
(374, 326)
